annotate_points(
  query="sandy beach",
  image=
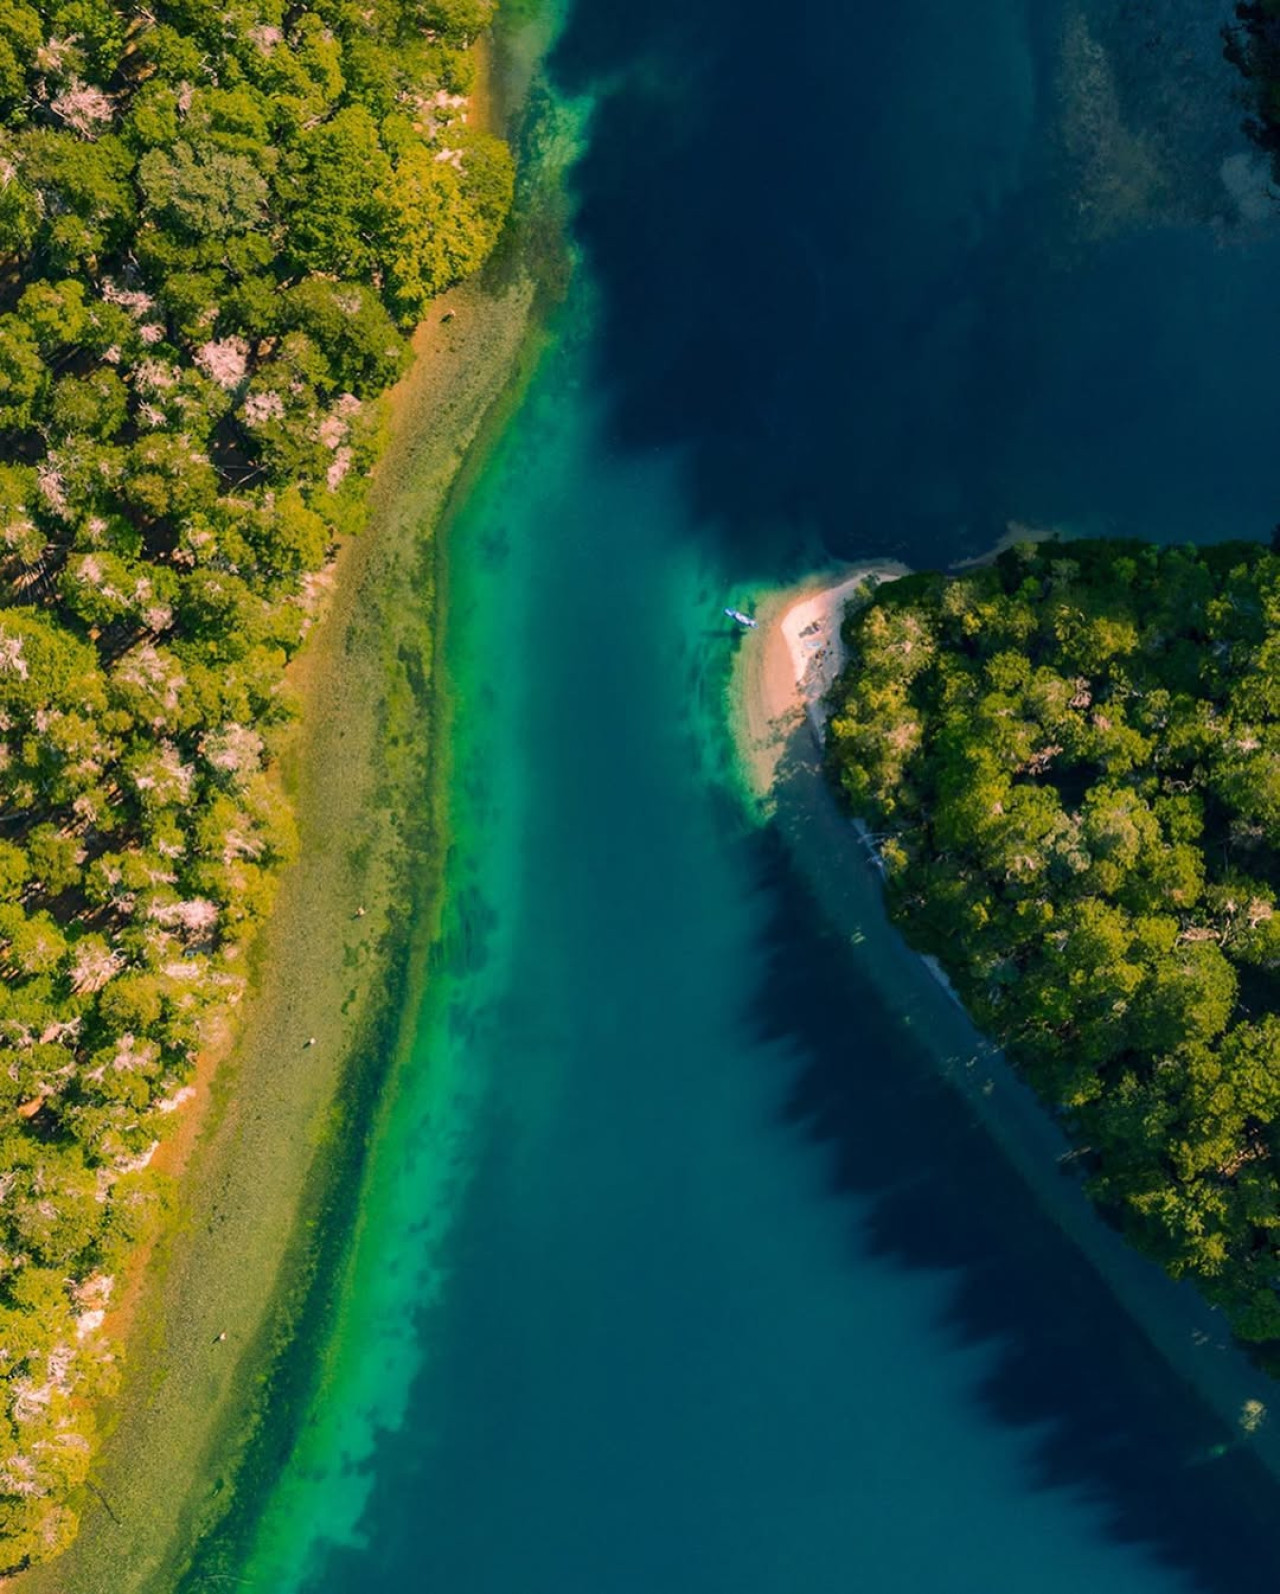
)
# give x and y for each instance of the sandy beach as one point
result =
(782, 675)
(786, 667)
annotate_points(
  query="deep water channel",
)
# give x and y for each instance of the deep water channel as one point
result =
(678, 1269)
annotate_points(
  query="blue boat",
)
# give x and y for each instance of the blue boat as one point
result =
(742, 619)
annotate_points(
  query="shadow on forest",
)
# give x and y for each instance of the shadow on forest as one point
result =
(934, 1192)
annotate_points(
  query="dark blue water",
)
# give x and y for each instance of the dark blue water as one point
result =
(679, 1268)
(887, 273)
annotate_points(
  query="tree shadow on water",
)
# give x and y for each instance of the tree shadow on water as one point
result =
(1114, 1424)
(789, 292)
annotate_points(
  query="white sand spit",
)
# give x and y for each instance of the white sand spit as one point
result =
(788, 664)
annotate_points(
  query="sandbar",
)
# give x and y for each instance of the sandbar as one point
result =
(786, 667)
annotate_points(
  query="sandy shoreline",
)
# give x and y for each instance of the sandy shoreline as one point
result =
(782, 674)
(788, 664)
(792, 660)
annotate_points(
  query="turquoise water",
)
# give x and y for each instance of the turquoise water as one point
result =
(677, 1267)
(647, 1354)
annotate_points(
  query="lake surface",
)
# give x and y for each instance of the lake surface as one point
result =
(678, 1269)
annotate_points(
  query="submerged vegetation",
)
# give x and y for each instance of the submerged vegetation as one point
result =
(216, 225)
(1071, 764)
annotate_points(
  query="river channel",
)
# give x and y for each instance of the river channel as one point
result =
(678, 1268)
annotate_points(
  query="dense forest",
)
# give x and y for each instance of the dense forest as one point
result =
(217, 223)
(1070, 762)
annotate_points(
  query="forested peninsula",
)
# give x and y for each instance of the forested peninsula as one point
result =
(217, 225)
(1070, 764)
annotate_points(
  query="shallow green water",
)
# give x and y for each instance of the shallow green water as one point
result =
(677, 1269)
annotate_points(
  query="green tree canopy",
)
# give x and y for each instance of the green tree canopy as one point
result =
(217, 222)
(1072, 760)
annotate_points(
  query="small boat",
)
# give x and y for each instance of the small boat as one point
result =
(742, 619)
